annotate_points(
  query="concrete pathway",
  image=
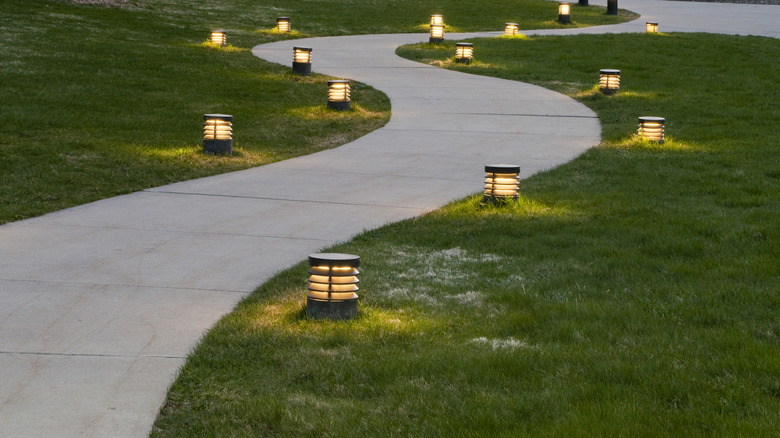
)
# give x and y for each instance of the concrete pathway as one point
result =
(100, 304)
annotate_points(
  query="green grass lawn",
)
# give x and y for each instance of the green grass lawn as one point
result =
(103, 101)
(100, 101)
(632, 292)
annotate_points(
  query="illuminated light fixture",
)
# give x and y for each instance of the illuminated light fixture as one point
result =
(218, 134)
(511, 29)
(612, 7)
(464, 52)
(609, 81)
(301, 61)
(652, 128)
(218, 37)
(333, 286)
(564, 12)
(437, 20)
(651, 27)
(502, 183)
(283, 24)
(338, 94)
(437, 33)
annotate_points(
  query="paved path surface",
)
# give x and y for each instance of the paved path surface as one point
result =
(100, 304)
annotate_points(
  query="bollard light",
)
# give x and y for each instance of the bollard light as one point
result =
(333, 286)
(301, 61)
(583, 3)
(338, 94)
(219, 37)
(283, 24)
(437, 20)
(652, 128)
(612, 7)
(218, 134)
(651, 27)
(437, 33)
(502, 183)
(511, 29)
(464, 52)
(609, 81)
(564, 13)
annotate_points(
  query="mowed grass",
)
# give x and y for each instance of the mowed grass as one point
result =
(103, 101)
(100, 101)
(632, 292)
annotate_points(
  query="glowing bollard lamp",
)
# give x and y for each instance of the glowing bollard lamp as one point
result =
(652, 128)
(502, 183)
(338, 94)
(564, 13)
(332, 286)
(219, 37)
(437, 20)
(609, 81)
(218, 134)
(511, 29)
(301, 61)
(651, 27)
(464, 53)
(437, 33)
(283, 24)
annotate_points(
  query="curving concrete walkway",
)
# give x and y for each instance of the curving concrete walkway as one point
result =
(100, 304)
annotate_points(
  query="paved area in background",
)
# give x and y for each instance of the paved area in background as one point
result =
(100, 304)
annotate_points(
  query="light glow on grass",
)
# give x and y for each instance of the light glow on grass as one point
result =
(229, 48)
(321, 112)
(195, 154)
(517, 36)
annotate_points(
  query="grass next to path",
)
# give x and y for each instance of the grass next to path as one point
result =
(100, 101)
(104, 101)
(632, 292)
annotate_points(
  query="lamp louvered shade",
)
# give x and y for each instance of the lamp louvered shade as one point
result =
(502, 182)
(333, 286)
(218, 133)
(651, 128)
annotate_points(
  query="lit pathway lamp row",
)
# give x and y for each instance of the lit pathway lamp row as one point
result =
(650, 128)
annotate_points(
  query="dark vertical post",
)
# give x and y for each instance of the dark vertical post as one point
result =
(612, 7)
